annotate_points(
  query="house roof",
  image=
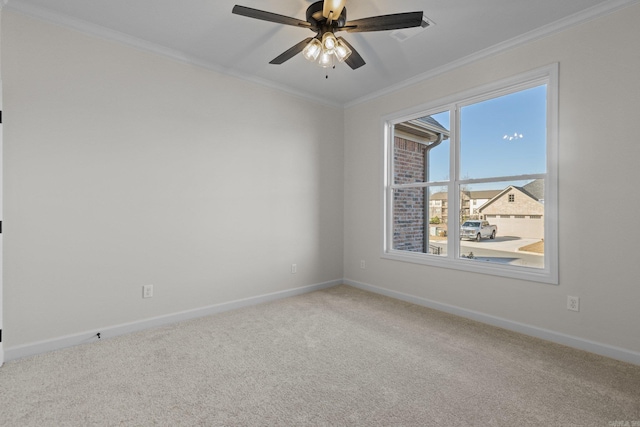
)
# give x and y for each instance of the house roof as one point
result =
(426, 129)
(535, 186)
(433, 124)
(481, 194)
(484, 194)
(535, 189)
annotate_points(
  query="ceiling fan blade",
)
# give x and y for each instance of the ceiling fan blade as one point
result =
(290, 53)
(354, 60)
(334, 6)
(268, 16)
(385, 22)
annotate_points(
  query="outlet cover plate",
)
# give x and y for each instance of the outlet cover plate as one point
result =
(147, 291)
(573, 303)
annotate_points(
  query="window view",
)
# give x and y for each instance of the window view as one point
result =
(420, 155)
(503, 227)
(487, 207)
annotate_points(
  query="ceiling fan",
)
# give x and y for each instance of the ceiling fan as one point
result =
(325, 18)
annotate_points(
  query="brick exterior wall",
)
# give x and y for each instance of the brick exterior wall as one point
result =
(408, 204)
(408, 158)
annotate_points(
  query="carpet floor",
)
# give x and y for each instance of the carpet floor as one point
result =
(336, 357)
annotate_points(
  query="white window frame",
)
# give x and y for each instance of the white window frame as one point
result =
(549, 274)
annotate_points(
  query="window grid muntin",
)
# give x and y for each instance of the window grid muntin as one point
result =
(547, 76)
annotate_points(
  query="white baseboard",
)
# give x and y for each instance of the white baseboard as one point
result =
(545, 334)
(59, 343)
(35, 348)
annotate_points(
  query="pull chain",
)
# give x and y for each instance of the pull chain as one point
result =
(327, 74)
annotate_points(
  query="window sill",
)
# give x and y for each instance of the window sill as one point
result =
(541, 275)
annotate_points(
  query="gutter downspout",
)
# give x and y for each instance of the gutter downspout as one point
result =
(425, 207)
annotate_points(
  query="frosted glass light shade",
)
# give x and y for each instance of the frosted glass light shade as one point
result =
(326, 60)
(342, 51)
(329, 42)
(312, 50)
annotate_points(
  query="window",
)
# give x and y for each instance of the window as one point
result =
(493, 148)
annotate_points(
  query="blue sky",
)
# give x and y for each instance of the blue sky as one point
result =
(485, 152)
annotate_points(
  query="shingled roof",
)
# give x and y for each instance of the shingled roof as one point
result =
(480, 194)
(426, 128)
(434, 124)
(535, 189)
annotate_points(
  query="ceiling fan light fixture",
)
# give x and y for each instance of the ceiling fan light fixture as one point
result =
(329, 42)
(312, 50)
(324, 17)
(342, 51)
(327, 59)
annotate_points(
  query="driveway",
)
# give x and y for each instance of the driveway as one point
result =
(501, 250)
(500, 243)
(505, 243)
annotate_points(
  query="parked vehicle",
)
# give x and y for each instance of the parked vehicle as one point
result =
(477, 230)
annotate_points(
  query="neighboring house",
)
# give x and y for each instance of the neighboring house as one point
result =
(479, 198)
(438, 206)
(517, 211)
(471, 201)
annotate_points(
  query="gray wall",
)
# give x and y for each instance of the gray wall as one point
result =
(599, 151)
(124, 168)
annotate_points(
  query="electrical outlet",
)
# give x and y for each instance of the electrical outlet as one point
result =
(362, 264)
(294, 268)
(573, 303)
(147, 291)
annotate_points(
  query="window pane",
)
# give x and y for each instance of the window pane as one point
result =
(409, 222)
(418, 142)
(514, 211)
(504, 136)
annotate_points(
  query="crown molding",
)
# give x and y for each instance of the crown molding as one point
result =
(537, 34)
(587, 15)
(150, 47)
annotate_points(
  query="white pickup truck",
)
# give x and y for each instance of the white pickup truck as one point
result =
(476, 229)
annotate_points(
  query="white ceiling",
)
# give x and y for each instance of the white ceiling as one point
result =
(205, 32)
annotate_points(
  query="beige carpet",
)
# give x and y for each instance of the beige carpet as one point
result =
(338, 357)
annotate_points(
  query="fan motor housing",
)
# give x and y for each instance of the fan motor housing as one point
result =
(317, 19)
